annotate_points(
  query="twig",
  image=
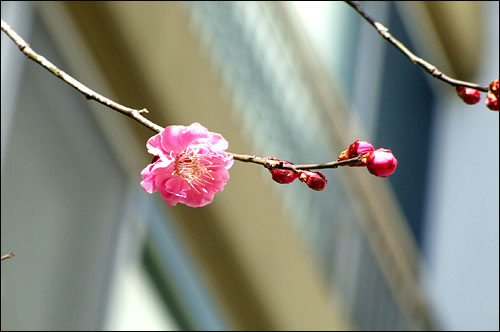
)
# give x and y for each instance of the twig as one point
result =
(269, 163)
(88, 93)
(430, 68)
(9, 255)
(136, 114)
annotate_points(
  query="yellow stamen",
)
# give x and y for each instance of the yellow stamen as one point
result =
(193, 168)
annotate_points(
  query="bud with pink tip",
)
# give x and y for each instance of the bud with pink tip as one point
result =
(492, 96)
(381, 162)
(283, 176)
(314, 180)
(468, 95)
(356, 149)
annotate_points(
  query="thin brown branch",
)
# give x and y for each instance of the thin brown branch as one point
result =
(88, 93)
(136, 114)
(9, 255)
(270, 163)
(430, 68)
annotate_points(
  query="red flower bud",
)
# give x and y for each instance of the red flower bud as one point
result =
(314, 180)
(492, 96)
(381, 162)
(355, 149)
(494, 87)
(468, 95)
(283, 176)
(358, 148)
(491, 101)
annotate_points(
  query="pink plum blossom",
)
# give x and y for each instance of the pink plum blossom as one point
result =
(190, 165)
(381, 162)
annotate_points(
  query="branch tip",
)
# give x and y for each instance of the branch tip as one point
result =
(430, 68)
(8, 255)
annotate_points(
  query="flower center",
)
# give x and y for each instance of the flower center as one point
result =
(194, 168)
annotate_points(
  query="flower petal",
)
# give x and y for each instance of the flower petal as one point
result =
(170, 139)
(148, 180)
(154, 145)
(217, 142)
(192, 134)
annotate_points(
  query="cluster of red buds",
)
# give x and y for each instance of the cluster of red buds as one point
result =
(380, 162)
(314, 180)
(472, 96)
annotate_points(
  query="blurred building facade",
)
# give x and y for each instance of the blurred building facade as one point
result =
(96, 252)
